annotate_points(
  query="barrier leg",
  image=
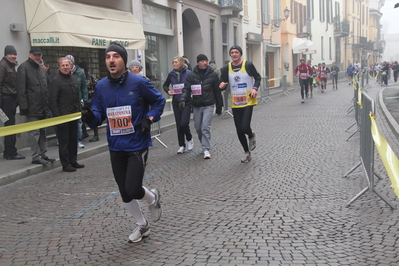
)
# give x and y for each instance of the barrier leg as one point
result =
(227, 112)
(352, 135)
(357, 196)
(384, 199)
(350, 127)
(156, 138)
(352, 169)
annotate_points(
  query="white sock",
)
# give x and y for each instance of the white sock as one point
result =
(134, 208)
(149, 196)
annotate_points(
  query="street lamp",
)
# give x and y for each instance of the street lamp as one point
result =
(276, 22)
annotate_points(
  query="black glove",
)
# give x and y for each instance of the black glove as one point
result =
(87, 114)
(23, 112)
(85, 104)
(219, 110)
(182, 105)
(145, 124)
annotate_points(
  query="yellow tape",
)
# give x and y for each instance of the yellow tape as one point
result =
(388, 157)
(168, 100)
(10, 130)
(274, 79)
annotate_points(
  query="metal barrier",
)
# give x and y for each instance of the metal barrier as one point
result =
(226, 102)
(366, 149)
(355, 107)
(156, 127)
(284, 86)
(265, 90)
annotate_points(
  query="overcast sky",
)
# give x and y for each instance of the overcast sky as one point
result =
(390, 17)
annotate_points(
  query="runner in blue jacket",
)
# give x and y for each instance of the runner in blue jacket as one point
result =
(124, 100)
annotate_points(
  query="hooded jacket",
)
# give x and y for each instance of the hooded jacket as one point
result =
(129, 90)
(32, 88)
(211, 94)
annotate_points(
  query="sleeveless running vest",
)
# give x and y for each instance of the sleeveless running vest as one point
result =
(241, 85)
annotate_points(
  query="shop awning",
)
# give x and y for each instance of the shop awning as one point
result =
(65, 23)
(301, 46)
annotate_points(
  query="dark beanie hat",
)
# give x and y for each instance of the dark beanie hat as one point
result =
(116, 47)
(235, 47)
(201, 57)
(9, 49)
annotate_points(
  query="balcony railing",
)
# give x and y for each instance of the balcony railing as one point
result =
(304, 30)
(235, 4)
(341, 29)
(359, 41)
(230, 8)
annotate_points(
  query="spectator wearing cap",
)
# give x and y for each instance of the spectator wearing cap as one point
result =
(244, 81)
(83, 96)
(32, 94)
(202, 85)
(8, 99)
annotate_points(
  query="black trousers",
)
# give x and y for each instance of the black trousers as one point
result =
(9, 106)
(242, 121)
(304, 87)
(67, 141)
(182, 119)
(128, 168)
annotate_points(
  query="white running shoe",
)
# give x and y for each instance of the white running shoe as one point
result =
(207, 155)
(180, 150)
(252, 142)
(155, 208)
(80, 144)
(139, 232)
(247, 157)
(190, 145)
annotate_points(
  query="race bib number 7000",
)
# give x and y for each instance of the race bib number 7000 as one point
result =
(120, 120)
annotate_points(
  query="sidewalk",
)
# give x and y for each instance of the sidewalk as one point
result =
(13, 170)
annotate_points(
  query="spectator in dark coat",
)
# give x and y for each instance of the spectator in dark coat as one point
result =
(32, 95)
(64, 100)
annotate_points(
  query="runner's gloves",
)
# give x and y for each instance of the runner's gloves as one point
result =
(145, 124)
(87, 114)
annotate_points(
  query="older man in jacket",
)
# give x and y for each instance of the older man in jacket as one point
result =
(32, 92)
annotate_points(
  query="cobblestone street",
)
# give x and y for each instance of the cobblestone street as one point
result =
(285, 207)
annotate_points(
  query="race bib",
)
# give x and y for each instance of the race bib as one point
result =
(240, 97)
(120, 120)
(196, 90)
(178, 88)
(304, 75)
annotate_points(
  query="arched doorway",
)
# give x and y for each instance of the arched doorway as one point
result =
(192, 36)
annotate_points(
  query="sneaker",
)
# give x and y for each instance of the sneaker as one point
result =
(80, 144)
(307, 95)
(247, 157)
(180, 150)
(139, 232)
(311, 95)
(302, 101)
(190, 145)
(207, 155)
(252, 142)
(156, 208)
